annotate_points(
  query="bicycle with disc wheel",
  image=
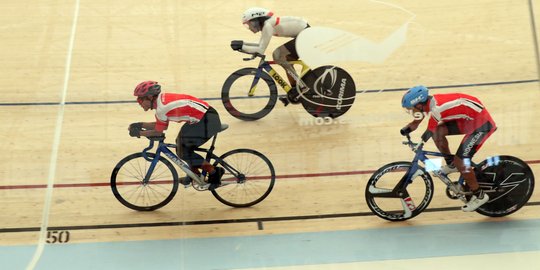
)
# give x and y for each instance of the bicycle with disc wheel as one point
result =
(147, 181)
(251, 93)
(402, 190)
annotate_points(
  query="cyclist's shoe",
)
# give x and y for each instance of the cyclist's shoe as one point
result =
(448, 169)
(185, 180)
(285, 100)
(215, 178)
(478, 199)
(293, 95)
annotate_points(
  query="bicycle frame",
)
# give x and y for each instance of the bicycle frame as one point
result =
(413, 172)
(163, 148)
(267, 66)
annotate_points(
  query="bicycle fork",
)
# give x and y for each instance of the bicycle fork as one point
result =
(400, 192)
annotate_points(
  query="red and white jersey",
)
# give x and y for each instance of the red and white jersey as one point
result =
(178, 108)
(468, 112)
(285, 26)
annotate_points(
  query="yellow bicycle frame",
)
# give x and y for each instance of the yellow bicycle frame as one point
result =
(276, 77)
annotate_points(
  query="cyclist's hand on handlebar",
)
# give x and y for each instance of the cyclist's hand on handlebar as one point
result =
(236, 45)
(405, 131)
(135, 129)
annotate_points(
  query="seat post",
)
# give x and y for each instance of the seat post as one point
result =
(211, 149)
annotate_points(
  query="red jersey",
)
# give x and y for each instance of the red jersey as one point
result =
(468, 112)
(178, 108)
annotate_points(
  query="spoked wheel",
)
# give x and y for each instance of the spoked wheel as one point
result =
(128, 187)
(236, 99)
(249, 178)
(331, 92)
(508, 181)
(385, 201)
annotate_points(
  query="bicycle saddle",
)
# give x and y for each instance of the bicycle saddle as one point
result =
(223, 127)
(156, 138)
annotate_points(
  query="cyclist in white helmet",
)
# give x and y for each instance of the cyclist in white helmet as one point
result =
(259, 19)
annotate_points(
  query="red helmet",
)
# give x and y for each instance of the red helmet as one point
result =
(147, 88)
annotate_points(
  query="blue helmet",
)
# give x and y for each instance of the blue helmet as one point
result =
(415, 95)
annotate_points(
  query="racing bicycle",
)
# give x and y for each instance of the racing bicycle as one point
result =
(402, 190)
(147, 181)
(327, 91)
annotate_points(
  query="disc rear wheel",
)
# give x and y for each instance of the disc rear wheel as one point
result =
(509, 183)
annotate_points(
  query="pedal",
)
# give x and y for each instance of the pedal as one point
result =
(284, 100)
(455, 191)
(294, 96)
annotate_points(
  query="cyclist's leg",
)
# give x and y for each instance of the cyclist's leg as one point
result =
(192, 136)
(285, 53)
(470, 144)
(195, 135)
(212, 125)
(183, 153)
(440, 140)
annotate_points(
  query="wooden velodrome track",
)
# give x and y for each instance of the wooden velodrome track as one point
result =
(322, 169)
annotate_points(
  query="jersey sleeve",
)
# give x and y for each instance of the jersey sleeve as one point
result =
(161, 125)
(432, 124)
(266, 35)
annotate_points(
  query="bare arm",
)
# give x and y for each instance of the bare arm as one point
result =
(266, 35)
(149, 130)
(410, 127)
(149, 125)
(144, 129)
(414, 124)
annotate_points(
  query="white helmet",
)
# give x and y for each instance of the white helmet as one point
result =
(255, 12)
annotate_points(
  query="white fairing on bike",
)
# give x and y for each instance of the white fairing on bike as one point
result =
(319, 46)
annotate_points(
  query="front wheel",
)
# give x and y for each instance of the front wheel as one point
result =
(129, 188)
(237, 100)
(386, 199)
(508, 181)
(249, 178)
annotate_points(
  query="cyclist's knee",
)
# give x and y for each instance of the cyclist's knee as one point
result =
(441, 131)
(463, 164)
(280, 54)
(179, 149)
(458, 162)
(439, 139)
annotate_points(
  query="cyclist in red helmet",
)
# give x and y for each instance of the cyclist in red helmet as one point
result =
(201, 123)
(452, 114)
(263, 20)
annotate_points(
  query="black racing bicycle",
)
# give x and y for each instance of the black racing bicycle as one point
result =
(327, 91)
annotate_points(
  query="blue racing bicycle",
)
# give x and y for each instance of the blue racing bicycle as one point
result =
(147, 181)
(402, 190)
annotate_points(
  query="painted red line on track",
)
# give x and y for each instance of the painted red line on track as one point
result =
(307, 175)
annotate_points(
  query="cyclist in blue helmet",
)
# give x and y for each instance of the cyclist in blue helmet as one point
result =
(452, 114)
(416, 95)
